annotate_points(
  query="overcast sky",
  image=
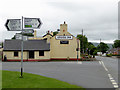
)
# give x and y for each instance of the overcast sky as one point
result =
(98, 18)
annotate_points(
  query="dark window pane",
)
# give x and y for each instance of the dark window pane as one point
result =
(64, 42)
(16, 54)
(41, 53)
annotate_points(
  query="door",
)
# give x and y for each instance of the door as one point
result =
(31, 54)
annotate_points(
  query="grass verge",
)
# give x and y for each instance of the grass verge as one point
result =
(11, 79)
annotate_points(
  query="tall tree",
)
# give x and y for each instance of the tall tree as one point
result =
(91, 48)
(83, 42)
(116, 44)
(102, 47)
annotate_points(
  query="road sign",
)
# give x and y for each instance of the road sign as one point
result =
(64, 37)
(18, 36)
(28, 31)
(31, 23)
(13, 25)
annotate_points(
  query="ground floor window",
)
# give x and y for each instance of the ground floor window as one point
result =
(31, 54)
(64, 42)
(41, 53)
(15, 54)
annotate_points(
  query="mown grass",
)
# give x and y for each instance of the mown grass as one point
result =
(11, 79)
(0, 78)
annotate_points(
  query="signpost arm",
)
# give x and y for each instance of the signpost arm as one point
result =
(22, 50)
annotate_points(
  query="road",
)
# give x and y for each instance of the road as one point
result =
(111, 64)
(88, 74)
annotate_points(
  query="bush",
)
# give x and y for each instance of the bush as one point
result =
(108, 55)
(95, 52)
(115, 55)
(89, 56)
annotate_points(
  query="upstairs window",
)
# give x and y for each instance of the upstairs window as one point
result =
(15, 54)
(41, 53)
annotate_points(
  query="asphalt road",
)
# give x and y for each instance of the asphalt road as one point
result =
(112, 65)
(88, 74)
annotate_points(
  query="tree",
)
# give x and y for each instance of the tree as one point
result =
(1, 44)
(91, 48)
(102, 47)
(83, 42)
(55, 33)
(116, 44)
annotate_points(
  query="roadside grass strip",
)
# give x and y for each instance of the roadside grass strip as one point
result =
(11, 79)
(0, 79)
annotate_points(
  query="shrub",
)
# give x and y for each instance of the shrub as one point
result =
(108, 55)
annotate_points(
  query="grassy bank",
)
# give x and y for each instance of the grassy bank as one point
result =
(0, 79)
(12, 79)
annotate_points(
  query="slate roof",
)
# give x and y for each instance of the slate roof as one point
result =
(28, 45)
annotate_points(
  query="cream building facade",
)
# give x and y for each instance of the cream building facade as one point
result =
(62, 46)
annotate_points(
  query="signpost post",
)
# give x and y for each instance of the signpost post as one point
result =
(26, 25)
(22, 51)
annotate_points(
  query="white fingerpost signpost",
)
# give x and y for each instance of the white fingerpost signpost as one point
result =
(26, 25)
(13, 24)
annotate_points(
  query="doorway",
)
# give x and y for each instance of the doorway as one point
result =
(31, 54)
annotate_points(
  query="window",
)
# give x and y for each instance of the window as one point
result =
(64, 42)
(41, 53)
(15, 54)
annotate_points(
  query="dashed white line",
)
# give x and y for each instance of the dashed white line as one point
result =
(99, 62)
(114, 83)
(115, 86)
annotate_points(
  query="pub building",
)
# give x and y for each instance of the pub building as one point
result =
(62, 46)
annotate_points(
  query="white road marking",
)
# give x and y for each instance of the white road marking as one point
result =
(99, 62)
(79, 62)
(114, 83)
(115, 86)
(104, 66)
(109, 75)
(111, 78)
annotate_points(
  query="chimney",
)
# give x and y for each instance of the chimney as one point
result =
(63, 27)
